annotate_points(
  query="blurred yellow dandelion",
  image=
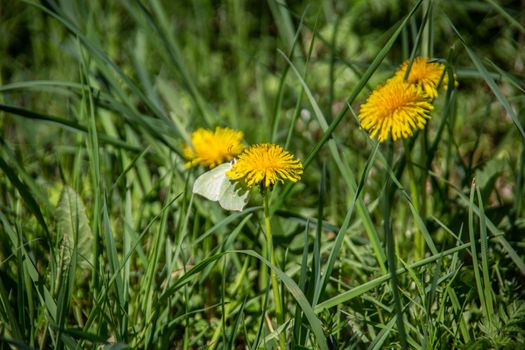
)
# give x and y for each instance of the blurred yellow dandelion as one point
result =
(424, 74)
(211, 148)
(395, 108)
(264, 165)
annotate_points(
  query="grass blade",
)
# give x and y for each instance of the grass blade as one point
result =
(474, 253)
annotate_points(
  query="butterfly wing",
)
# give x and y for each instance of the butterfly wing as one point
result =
(233, 196)
(209, 184)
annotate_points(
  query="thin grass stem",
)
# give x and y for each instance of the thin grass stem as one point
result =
(419, 241)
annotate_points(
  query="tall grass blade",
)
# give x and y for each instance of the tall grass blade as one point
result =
(360, 85)
(298, 295)
(66, 124)
(474, 252)
(365, 287)
(26, 195)
(484, 243)
(346, 171)
(497, 233)
(513, 22)
(344, 227)
(495, 89)
(378, 342)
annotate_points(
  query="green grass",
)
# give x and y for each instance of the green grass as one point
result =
(415, 244)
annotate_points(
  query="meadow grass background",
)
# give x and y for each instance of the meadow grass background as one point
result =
(104, 245)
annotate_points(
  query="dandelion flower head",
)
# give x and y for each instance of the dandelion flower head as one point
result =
(211, 148)
(264, 165)
(395, 108)
(424, 74)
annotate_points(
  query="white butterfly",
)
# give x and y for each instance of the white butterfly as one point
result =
(215, 185)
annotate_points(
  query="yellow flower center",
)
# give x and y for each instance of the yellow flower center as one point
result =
(265, 164)
(396, 108)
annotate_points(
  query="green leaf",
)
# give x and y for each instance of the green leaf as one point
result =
(73, 229)
(487, 176)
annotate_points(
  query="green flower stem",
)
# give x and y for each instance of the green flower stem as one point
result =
(390, 248)
(271, 256)
(419, 241)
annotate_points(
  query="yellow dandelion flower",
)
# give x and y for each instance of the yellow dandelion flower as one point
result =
(265, 164)
(424, 74)
(395, 108)
(211, 148)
